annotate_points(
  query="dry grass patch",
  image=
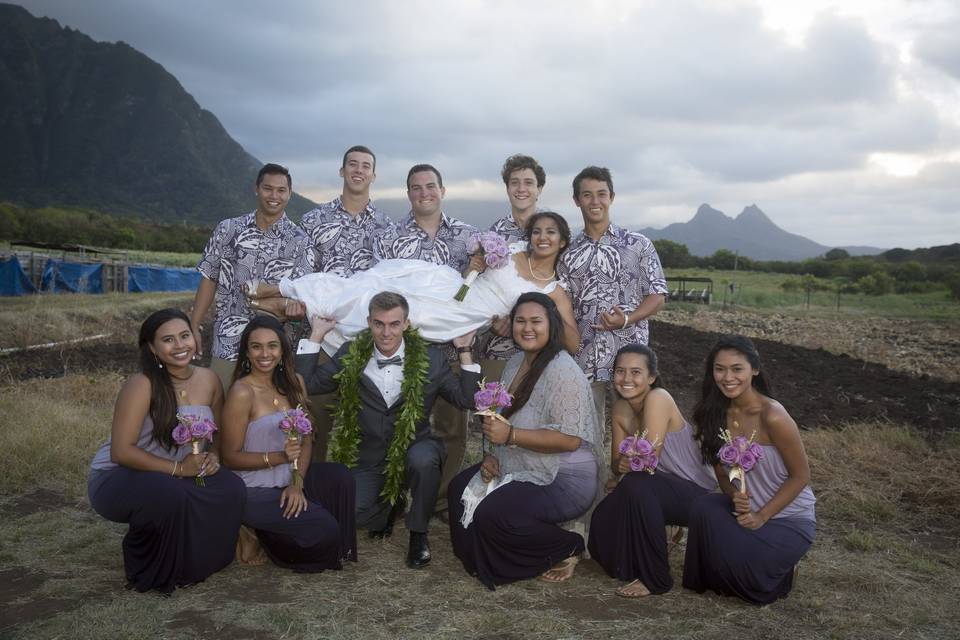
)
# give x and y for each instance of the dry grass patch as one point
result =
(40, 319)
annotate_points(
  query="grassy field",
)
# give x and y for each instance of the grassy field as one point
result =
(37, 319)
(762, 291)
(884, 564)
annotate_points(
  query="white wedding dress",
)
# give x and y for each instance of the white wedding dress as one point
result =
(429, 288)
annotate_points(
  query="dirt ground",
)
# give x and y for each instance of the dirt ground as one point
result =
(818, 388)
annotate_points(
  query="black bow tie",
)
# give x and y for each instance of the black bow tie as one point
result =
(386, 362)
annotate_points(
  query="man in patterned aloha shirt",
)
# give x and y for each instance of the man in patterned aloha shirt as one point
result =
(343, 232)
(615, 280)
(261, 245)
(524, 179)
(431, 235)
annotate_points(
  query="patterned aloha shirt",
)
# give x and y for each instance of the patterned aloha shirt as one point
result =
(239, 251)
(492, 346)
(343, 243)
(622, 268)
(408, 240)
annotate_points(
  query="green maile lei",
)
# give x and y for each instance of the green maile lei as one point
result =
(346, 436)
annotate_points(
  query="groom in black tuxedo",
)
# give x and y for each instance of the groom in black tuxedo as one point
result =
(381, 403)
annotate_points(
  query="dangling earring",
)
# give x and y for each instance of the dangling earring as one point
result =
(159, 364)
(281, 365)
(246, 366)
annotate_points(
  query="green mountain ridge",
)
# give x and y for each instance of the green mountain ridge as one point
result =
(101, 125)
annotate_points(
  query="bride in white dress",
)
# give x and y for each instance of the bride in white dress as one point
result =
(430, 290)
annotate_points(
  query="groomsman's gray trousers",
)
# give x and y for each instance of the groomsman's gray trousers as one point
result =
(424, 468)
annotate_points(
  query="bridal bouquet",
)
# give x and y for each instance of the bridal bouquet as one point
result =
(495, 252)
(740, 454)
(195, 430)
(295, 424)
(641, 452)
(490, 400)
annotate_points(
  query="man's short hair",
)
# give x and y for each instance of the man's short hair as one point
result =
(519, 162)
(419, 168)
(273, 169)
(592, 173)
(361, 149)
(387, 300)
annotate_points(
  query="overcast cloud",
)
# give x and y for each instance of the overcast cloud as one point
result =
(840, 121)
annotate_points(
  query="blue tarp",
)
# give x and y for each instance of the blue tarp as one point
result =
(13, 281)
(72, 277)
(142, 278)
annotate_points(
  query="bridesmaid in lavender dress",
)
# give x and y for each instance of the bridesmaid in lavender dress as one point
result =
(180, 533)
(308, 528)
(748, 543)
(627, 531)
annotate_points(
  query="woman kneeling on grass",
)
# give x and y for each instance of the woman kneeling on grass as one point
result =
(183, 510)
(627, 531)
(306, 525)
(748, 543)
(505, 512)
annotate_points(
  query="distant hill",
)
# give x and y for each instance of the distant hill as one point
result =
(751, 233)
(948, 253)
(101, 125)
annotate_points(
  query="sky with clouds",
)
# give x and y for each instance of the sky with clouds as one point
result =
(839, 118)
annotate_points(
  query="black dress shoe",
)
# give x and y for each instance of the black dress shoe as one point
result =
(398, 509)
(418, 556)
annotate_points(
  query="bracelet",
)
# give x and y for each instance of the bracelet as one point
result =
(512, 438)
(266, 460)
(176, 463)
(626, 321)
(464, 349)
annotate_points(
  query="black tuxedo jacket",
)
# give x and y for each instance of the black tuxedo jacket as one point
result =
(376, 418)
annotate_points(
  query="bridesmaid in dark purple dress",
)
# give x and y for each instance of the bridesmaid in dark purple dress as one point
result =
(628, 529)
(180, 532)
(308, 528)
(747, 543)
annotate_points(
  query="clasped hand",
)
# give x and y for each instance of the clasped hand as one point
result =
(496, 428)
(199, 464)
(611, 320)
(746, 518)
(489, 468)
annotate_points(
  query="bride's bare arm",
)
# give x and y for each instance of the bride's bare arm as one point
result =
(571, 335)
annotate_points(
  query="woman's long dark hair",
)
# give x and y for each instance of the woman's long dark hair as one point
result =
(562, 225)
(710, 414)
(547, 354)
(163, 398)
(650, 356)
(284, 376)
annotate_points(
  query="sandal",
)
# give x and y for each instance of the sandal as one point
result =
(560, 572)
(635, 589)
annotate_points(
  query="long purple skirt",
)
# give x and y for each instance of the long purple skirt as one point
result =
(322, 536)
(179, 533)
(514, 533)
(628, 528)
(756, 565)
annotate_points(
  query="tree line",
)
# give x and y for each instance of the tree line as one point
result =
(91, 228)
(894, 271)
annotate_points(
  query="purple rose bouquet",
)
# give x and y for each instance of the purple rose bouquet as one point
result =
(740, 454)
(295, 424)
(495, 252)
(490, 400)
(195, 430)
(641, 453)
